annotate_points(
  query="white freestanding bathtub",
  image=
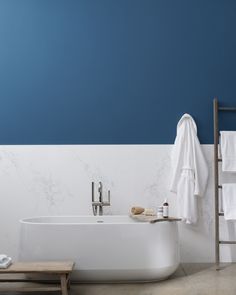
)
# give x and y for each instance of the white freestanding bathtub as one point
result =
(104, 248)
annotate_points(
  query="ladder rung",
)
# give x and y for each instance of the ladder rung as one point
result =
(231, 109)
(227, 242)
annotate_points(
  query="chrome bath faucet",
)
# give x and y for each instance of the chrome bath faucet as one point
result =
(98, 205)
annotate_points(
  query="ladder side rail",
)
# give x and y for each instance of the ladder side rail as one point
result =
(216, 182)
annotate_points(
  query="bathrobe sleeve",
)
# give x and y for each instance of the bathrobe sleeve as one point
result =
(177, 161)
(200, 170)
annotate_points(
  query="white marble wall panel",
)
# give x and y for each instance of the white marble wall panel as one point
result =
(56, 180)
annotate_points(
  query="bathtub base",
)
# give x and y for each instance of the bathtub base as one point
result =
(123, 275)
(114, 276)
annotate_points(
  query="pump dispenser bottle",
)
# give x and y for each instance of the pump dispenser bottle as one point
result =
(166, 209)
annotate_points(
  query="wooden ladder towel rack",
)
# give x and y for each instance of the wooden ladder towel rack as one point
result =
(218, 242)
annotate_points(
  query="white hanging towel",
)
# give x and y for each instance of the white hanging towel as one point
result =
(6, 262)
(2, 257)
(228, 150)
(229, 200)
(189, 169)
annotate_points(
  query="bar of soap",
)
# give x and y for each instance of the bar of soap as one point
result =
(149, 212)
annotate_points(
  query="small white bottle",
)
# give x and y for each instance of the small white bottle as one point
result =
(165, 209)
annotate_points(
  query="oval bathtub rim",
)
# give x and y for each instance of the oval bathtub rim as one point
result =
(132, 221)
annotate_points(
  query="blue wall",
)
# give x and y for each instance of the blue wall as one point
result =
(113, 71)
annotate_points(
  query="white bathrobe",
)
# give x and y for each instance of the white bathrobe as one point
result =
(189, 169)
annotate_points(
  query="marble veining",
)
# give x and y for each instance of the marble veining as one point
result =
(56, 180)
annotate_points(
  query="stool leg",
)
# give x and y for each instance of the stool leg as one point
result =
(64, 284)
(68, 281)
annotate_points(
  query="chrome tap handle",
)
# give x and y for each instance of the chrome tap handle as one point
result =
(100, 191)
(100, 187)
(108, 203)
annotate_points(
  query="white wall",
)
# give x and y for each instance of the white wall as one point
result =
(56, 180)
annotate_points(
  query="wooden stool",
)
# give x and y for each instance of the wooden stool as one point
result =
(62, 269)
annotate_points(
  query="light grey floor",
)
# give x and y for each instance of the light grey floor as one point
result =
(190, 279)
